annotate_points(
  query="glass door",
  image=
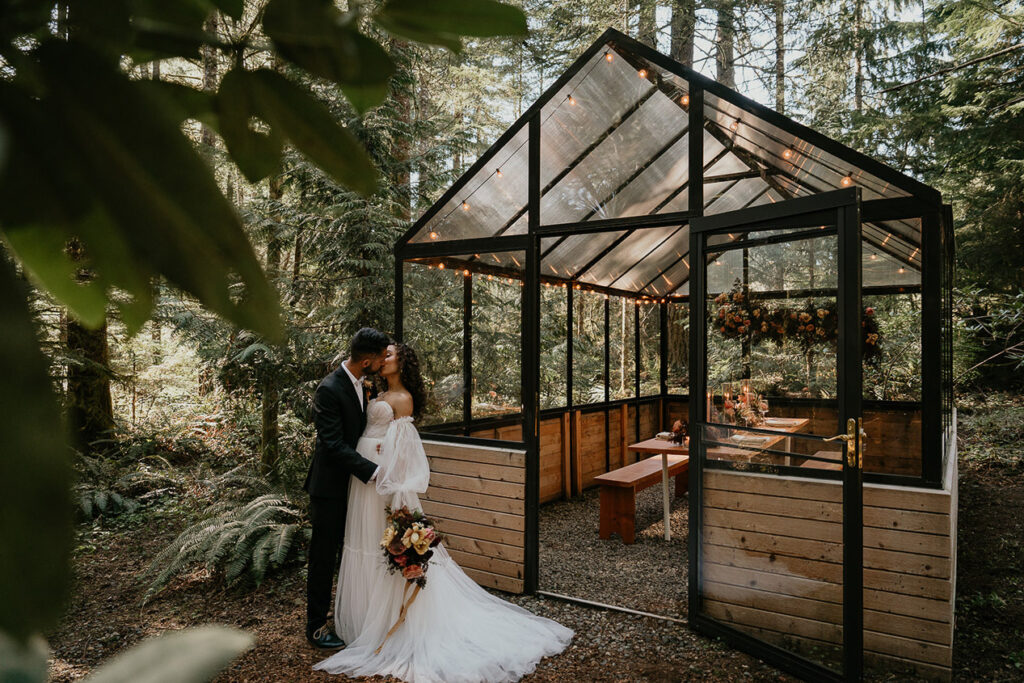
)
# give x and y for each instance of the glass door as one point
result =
(775, 517)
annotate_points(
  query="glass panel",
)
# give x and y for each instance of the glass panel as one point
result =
(650, 349)
(621, 333)
(678, 348)
(497, 346)
(568, 255)
(771, 550)
(603, 91)
(773, 328)
(588, 347)
(488, 201)
(599, 174)
(790, 153)
(433, 326)
(552, 347)
(636, 249)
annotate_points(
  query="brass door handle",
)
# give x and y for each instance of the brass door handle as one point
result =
(850, 438)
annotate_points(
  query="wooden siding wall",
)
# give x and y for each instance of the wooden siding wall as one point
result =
(477, 495)
(773, 567)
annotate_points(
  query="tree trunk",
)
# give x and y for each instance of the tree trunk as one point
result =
(90, 409)
(402, 149)
(725, 67)
(270, 430)
(684, 23)
(269, 440)
(858, 83)
(210, 69)
(647, 25)
(156, 332)
(780, 56)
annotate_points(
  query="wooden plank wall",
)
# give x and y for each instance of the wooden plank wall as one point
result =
(477, 495)
(772, 567)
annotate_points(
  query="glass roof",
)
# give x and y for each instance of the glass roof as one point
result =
(615, 144)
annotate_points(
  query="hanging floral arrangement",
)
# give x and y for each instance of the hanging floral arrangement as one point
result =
(740, 317)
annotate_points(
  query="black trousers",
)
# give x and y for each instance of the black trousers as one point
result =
(328, 518)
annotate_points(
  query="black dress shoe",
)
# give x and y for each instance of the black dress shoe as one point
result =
(325, 638)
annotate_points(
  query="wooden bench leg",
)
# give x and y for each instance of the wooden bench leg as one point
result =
(682, 483)
(618, 513)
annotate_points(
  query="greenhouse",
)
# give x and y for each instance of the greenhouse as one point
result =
(644, 250)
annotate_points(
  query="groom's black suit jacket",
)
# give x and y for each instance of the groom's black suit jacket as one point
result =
(339, 421)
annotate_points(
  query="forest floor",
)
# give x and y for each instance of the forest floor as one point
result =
(104, 615)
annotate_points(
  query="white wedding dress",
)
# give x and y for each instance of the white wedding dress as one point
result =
(455, 631)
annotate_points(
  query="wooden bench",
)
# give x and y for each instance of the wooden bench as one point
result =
(619, 487)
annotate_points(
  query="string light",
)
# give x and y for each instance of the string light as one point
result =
(642, 73)
(490, 277)
(577, 286)
(846, 181)
(465, 205)
(572, 100)
(465, 273)
(499, 173)
(608, 56)
(433, 235)
(901, 270)
(440, 266)
(787, 153)
(685, 100)
(735, 125)
(874, 257)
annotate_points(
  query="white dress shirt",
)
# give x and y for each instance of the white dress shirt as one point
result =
(359, 392)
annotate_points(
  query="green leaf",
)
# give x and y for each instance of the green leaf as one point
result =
(257, 154)
(314, 35)
(35, 476)
(313, 131)
(23, 663)
(443, 22)
(164, 207)
(186, 102)
(192, 655)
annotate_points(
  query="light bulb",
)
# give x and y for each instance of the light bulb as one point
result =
(499, 173)
(846, 181)
(440, 266)
(901, 270)
(685, 99)
(490, 277)
(734, 125)
(608, 56)
(577, 286)
(466, 273)
(465, 206)
(572, 100)
(433, 235)
(642, 73)
(873, 257)
(787, 153)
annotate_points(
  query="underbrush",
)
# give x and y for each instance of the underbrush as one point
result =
(991, 431)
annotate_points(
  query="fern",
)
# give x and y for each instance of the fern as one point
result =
(251, 539)
(95, 502)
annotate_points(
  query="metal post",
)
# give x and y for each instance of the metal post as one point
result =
(467, 352)
(698, 387)
(569, 342)
(531, 369)
(607, 387)
(696, 179)
(636, 357)
(931, 352)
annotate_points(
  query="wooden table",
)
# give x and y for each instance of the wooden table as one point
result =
(664, 448)
(784, 426)
(787, 425)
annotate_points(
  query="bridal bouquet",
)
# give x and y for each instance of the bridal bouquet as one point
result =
(407, 542)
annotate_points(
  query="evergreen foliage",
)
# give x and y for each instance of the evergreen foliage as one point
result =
(235, 542)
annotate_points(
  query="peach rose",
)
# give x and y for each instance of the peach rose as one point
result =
(413, 571)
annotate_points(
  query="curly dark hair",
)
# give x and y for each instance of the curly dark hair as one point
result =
(409, 371)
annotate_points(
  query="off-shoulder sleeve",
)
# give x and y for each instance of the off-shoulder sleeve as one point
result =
(403, 464)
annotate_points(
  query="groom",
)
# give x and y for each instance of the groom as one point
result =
(339, 413)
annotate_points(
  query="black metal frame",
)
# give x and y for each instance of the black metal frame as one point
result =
(921, 202)
(844, 205)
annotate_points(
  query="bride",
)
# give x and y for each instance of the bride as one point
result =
(455, 630)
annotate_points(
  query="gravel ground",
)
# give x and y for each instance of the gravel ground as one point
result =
(650, 575)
